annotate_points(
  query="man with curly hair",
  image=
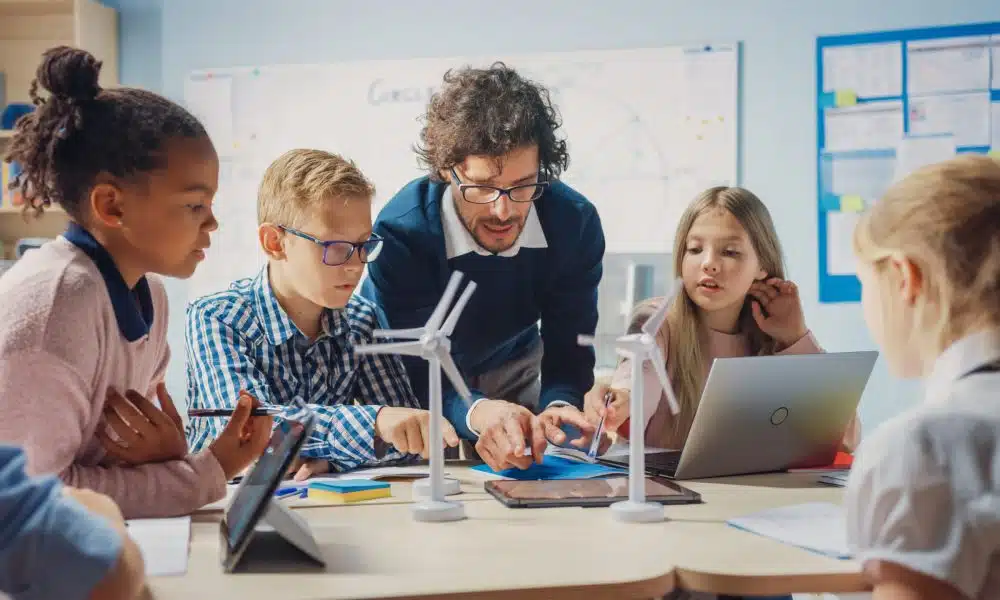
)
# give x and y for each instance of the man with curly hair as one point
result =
(492, 207)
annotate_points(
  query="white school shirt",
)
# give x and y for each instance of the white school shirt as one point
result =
(924, 490)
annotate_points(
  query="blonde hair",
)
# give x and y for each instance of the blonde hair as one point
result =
(685, 334)
(300, 181)
(945, 219)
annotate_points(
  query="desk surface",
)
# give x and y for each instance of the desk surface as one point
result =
(376, 550)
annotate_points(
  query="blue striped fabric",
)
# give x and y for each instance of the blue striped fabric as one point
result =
(241, 339)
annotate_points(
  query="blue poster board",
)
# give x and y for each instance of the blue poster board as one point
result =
(887, 103)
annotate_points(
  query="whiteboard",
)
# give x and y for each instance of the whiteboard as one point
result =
(647, 129)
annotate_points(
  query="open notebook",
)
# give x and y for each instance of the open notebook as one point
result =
(558, 463)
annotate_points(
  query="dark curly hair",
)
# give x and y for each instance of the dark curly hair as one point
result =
(81, 131)
(490, 112)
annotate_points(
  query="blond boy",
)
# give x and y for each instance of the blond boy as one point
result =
(289, 333)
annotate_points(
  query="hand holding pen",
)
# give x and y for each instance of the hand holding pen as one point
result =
(605, 407)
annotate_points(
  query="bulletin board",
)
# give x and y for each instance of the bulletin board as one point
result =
(888, 103)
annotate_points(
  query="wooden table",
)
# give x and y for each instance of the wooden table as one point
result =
(376, 550)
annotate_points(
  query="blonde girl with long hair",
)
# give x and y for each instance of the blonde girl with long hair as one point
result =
(735, 302)
(923, 499)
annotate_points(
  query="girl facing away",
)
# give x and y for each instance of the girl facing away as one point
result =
(923, 498)
(735, 302)
(83, 324)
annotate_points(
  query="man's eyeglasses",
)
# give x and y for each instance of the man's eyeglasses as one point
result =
(488, 194)
(338, 252)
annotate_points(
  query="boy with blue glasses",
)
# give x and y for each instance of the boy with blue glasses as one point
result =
(289, 333)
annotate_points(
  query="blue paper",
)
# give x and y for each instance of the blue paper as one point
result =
(556, 467)
(347, 486)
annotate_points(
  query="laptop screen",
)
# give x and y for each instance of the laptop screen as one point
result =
(254, 493)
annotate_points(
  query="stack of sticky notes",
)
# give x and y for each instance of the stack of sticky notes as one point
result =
(344, 491)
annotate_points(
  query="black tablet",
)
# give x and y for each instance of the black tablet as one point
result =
(584, 492)
(257, 488)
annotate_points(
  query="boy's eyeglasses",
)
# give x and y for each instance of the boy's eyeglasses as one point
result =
(488, 194)
(338, 252)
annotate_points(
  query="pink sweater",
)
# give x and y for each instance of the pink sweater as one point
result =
(60, 351)
(654, 401)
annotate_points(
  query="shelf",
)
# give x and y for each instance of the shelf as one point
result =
(6, 134)
(16, 210)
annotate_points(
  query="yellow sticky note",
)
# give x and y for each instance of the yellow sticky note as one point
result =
(845, 98)
(851, 204)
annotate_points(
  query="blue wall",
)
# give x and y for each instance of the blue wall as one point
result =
(163, 40)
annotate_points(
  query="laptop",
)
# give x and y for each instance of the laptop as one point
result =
(254, 516)
(761, 414)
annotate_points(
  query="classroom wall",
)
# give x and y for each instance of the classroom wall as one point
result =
(162, 41)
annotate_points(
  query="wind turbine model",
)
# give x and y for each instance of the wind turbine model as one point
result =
(431, 342)
(641, 347)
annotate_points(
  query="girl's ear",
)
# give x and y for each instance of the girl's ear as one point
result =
(909, 277)
(761, 275)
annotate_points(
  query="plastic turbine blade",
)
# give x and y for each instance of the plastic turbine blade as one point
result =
(411, 348)
(659, 365)
(654, 322)
(449, 368)
(401, 334)
(442, 307)
(456, 312)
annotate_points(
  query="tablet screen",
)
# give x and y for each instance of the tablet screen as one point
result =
(560, 489)
(255, 490)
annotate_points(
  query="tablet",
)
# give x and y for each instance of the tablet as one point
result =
(584, 492)
(256, 490)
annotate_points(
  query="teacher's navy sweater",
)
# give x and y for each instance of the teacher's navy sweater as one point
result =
(556, 285)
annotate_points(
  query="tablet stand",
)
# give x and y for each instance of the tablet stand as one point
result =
(279, 531)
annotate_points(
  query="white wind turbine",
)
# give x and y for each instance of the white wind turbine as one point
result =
(431, 342)
(640, 347)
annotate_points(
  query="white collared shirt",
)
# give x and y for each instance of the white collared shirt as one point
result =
(924, 491)
(459, 242)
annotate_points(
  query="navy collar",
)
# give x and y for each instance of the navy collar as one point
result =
(133, 308)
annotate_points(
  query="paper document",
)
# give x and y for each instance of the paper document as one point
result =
(995, 42)
(918, 151)
(868, 176)
(836, 478)
(377, 473)
(817, 526)
(948, 65)
(966, 116)
(869, 70)
(995, 143)
(840, 258)
(164, 544)
(870, 126)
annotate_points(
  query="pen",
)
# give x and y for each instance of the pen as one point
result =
(596, 442)
(265, 411)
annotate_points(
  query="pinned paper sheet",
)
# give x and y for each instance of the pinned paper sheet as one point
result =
(852, 203)
(915, 152)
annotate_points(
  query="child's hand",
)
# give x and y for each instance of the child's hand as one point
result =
(778, 299)
(304, 468)
(616, 413)
(145, 433)
(408, 430)
(244, 439)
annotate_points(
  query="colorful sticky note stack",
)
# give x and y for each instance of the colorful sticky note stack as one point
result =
(345, 491)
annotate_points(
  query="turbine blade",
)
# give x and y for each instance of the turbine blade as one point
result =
(442, 306)
(451, 370)
(656, 357)
(655, 321)
(586, 340)
(410, 348)
(456, 311)
(402, 334)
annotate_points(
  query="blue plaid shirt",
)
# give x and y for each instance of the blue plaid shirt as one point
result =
(241, 339)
